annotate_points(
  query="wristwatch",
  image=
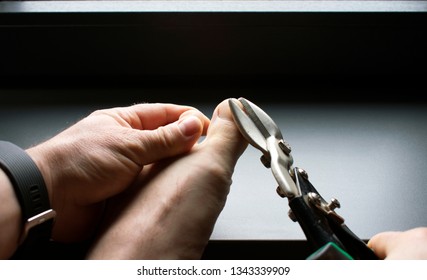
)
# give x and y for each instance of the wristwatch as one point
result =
(30, 189)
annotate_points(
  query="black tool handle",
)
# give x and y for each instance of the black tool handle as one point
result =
(321, 228)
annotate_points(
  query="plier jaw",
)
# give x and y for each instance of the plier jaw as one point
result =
(325, 230)
(262, 132)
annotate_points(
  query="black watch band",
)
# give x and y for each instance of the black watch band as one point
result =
(30, 189)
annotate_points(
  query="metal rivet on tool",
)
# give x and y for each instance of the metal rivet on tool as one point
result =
(303, 173)
(291, 215)
(265, 161)
(280, 192)
(285, 147)
(334, 204)
(314, 198)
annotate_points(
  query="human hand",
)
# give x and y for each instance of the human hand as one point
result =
(170, 212)
(102, 154)
(410, 244)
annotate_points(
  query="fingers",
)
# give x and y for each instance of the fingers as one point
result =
(149, 116)
(381, 242)
(409, 244)
(171, 139)
(223, 137)
(156, 131)
(163, 210)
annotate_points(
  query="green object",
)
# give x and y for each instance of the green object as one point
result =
(330, 251)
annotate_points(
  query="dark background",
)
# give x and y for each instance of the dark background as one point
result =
(208, 56)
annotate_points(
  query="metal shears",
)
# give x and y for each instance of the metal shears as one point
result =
(327, 235)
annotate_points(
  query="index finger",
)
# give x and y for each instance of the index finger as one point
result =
(153, 115)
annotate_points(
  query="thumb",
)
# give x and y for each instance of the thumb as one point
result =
(172, 139)
(223, 137)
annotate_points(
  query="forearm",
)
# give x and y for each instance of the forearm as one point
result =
(10, 218)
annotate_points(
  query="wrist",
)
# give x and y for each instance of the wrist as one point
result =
(10, 218)
(30, 191)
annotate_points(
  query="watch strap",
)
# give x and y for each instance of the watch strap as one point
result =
(30, 190)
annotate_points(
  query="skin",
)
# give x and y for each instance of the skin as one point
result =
(10, 219)
(401, 245)
(136, 179)
(97, 158)
(170, 211)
